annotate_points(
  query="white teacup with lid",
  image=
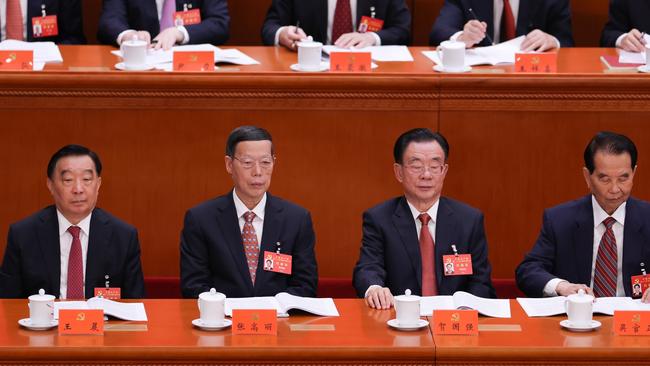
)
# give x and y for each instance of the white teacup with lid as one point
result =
(41, 309)
(211, 307)
(309, 54)
(134, 53)
(407, 308)
(579, 309)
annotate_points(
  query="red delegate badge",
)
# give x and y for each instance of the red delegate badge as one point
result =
(45, 26)
(111, 293)
(457, 264)
(640, 283)
(276, 262)
(368, 24)
(189, 17)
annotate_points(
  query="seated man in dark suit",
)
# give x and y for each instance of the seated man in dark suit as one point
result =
(336, 22)
(71, 248)
(27, 24)
(628, 19)
(127, 19)
(226, 241)
(545, 23)
(398, 254)
(598, 242)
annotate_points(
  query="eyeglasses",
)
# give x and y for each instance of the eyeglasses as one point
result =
(247, 163)
(417, 168)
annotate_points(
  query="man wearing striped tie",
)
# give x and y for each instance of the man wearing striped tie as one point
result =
(598, 242)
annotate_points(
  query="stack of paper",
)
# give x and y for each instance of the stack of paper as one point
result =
(120, 310)
(549, 306)
(626, 57)
(502, 53)
(282, 303)
(43, 51)
(378, 53)
(497, 308)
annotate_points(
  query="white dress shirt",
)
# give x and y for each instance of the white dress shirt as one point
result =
(599, 229)
(159, 8)
(258, 221)
(3, 18)
(433, 214)
(65, 243)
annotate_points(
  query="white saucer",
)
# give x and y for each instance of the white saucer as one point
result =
(394, 324)
(120, 66)
(643, 68)
(439, 68)
(595, 324)
(324, 65)
(197, 323)
(26, 322)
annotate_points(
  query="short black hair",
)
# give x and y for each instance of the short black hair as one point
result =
(609, 143)
(246, 133)
(73, 150)
(418, 135)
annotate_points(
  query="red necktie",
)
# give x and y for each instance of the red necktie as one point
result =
(507, 22)
(342, 19)
(166, 18)
(429, 287)
(14, 22)
(75, 267)
(606, 272)
(251, 248)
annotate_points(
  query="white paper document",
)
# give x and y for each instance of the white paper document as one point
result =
(378, 53)
(549, 306)
(282, 303)
(626, 57)
(43, 51)
(496, 308)
(502, 53)
(231, 56)
(121, 310)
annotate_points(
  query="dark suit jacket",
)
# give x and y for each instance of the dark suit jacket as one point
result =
(625, 15)
(33, 261)
(69, 20)
(312, 15)
(390, 250)
(212, 253)
(120, 15)
(564, 248)
(550, 16)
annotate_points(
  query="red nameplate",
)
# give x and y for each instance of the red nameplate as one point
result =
(183, 18)
(111, 293)
(276, 262)
(543, 63)
(350, 61)
(201, 61)
(16, 60)
(457, 265)
(45, 26)
(640, 283)
(81, 321)
(631, 322)
(458, 322)
(252, 321)
(368, 24)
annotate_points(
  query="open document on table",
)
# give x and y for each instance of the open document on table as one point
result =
(282, 303)
(133, 311)
(496, 308)
(44, 52)
(549, 306)
(162, 59)
(626, 57)
(502, 53)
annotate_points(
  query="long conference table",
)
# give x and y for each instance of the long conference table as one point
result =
(360, 336)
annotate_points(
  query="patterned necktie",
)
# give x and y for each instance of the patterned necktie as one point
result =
(606, 272)
(507, 22)
(166, 18)
(251, 248)
(342, 19)
(429, 287)
(75, 267)
(14, 22)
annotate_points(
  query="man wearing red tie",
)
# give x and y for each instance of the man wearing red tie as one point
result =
(407, 239)
(58, 21)
(545, 23)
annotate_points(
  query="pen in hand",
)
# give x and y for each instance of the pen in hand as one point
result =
(473, 14)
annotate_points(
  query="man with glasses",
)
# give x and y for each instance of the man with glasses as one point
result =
(226, 241)
(398, 254)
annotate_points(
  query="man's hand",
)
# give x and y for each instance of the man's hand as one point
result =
(646, 296)
(633, 41)
(539, 41)
(356, 40)
(168, 38)
(290, 35)
(473, 33)
(379, 298)
(139, 35)
(566, 288)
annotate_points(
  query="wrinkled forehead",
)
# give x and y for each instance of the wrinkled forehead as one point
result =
(254, 148)
(612, 164)
(424, 151)
(77, 164)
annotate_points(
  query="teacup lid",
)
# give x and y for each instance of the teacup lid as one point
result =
(581, 297)
(41, 296)
(407, 296)
(213, 295)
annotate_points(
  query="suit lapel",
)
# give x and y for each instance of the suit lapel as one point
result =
(98, 245)
(273, 218)
(48, 240)
(403, 222)
(150, 11)
(632, 244)
(363, 8)
(322, 20)
(584, 240)
(445, 230)
(527, 9)
(229, 223)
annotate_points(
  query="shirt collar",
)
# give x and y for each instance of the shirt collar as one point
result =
(433, 211)
(600, 214)
(64, 224)
(242, 209)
